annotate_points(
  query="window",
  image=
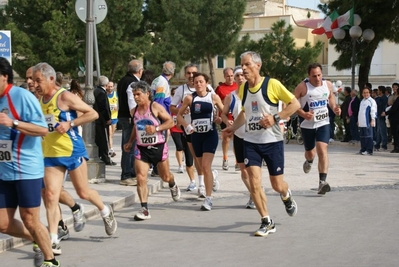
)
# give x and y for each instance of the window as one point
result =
(220, 62)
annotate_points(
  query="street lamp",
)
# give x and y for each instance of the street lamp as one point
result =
(358, 36)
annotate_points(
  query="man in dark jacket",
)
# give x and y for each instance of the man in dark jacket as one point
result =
(382, 135)
(126, 106)
(101, 105)
(345, 116)
(353, 113)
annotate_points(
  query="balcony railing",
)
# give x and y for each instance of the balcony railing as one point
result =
(388, 70)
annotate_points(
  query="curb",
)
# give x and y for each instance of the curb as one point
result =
(90, 213)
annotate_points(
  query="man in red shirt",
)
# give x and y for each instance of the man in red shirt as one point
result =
(222, 91)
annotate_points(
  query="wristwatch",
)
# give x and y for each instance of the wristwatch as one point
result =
(157, 129)
(276, 118)
(72, 124)
(15, 124)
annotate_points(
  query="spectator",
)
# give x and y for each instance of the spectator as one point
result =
(101, 105)
(382, 136)
(126, 107)
(366, 122)
(345, 116)
(353, 112)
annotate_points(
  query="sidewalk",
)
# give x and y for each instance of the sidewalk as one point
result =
(347, 171)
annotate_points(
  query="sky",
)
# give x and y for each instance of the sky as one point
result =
(304, 3)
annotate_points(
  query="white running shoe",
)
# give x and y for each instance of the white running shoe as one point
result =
(180, 170)
(201, 191)
(192, 186)
(225, 165)
(207, 205)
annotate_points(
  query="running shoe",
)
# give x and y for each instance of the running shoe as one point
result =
(110, 222)
(79, 219)
(225, 165)
(266, 227)
(237, 167)
(207, 205)
(154, 174)
(50, 264)
(216, 184)
(307, 166)
(175, 192)
(290, 205)
(324, 187)
(250, 204)
(201, 191)
(38, 258)
(180, 170)
(142, 214)
(56, 249)
(367, 153)
(192, 186)
(63, 234)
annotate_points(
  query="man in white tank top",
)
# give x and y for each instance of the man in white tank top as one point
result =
(263, 139)
(314, 94)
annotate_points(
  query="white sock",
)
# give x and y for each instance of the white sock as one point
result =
(201, 180)
(105, 212)
(54, 238)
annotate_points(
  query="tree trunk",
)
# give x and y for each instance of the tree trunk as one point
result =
(364, 68)
(211, 70)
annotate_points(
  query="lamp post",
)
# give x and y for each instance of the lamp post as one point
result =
(358, 36)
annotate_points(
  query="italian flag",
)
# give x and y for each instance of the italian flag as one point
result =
(326, 26)
(335, 21)
(344, 20)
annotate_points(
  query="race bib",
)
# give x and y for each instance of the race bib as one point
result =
(50, 120)
(147, 139)
(113, 107)
(202, 125)
(320, 114)
(253, 124)
(5, 151)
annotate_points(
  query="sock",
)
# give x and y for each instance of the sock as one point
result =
(322, 176)
(75, 207)
(54, 238)
(286, 196)
(209, 197)
(310, 161)
(144, 205)
(200, 179)
(62, 224)
(172, 184)
(267, 218)
(105, 212)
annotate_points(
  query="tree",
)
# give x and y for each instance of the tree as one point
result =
(201, 30)
(280, 58)
(382, 16)
(51, 31)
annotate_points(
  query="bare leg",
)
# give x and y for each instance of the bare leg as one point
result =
(81, 184)
(257, 193)
(31, 219)
(141, 174)
(206, 163)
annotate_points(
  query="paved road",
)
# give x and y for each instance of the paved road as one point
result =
(354, 225)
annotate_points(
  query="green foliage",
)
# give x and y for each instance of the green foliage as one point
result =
(198, 30)
(50, 31)
(280, 58)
